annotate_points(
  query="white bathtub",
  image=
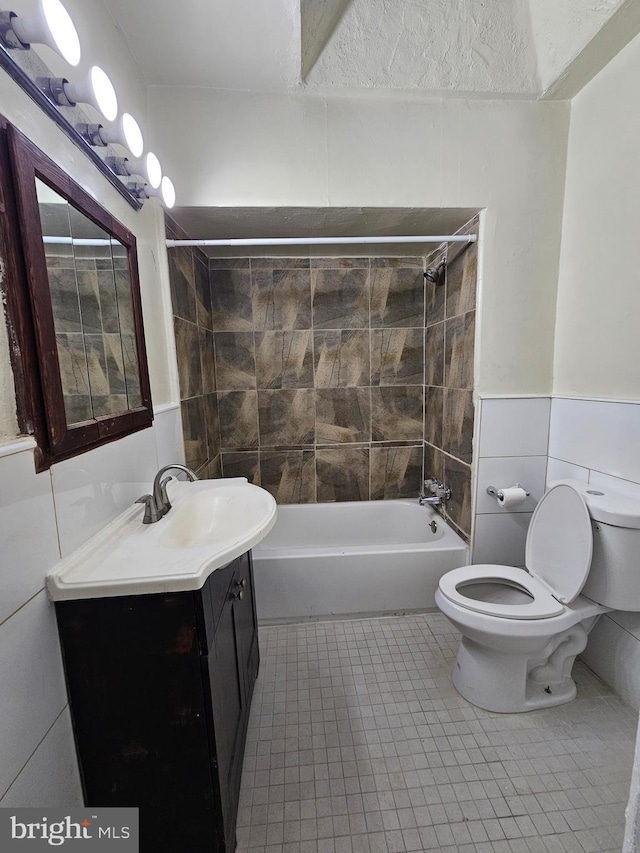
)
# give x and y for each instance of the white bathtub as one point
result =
(353, 557)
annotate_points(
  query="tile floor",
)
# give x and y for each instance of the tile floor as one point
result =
(358, 743)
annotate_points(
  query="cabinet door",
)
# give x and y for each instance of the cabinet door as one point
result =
(247, 628)
(227, 703)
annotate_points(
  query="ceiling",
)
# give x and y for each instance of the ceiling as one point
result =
(464, 48)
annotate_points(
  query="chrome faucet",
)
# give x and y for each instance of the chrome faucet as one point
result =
(158, 504)
(439, 493)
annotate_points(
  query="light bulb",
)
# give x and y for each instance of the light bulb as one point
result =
(103, 92)
(127, 133)
(154, 170)
(53, 27)
(168, 192)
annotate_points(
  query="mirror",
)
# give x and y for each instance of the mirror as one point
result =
(90, 292)
(85, 311)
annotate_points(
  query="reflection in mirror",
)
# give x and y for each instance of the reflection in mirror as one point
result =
(90, 287)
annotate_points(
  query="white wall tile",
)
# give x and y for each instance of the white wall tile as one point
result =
(33, 690)
(614, 654)
(27, 530)
(597, 434)
(506, 471)
(501, 538)
(558, 469)
(514, 427)
(167, 426)
(92, 489)
(50, 779)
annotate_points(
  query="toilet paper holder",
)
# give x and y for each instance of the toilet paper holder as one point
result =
(497, 493)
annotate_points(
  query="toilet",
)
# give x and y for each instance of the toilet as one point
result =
(522, 628)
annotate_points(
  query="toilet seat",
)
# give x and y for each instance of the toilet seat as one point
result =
(542, 604)
(557, 556)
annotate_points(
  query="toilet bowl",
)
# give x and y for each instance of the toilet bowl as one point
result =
(522, 628)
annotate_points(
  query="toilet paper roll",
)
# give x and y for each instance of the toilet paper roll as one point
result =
(509, 498)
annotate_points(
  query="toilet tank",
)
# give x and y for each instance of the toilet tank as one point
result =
(614, 576)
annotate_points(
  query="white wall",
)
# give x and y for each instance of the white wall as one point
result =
(45, 516)
(597, 341)
(305, 150)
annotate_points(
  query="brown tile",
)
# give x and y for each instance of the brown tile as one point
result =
(289, 475)
(131, 370)
(396, 413)
(115, 364)
(340, 263)
(242, 465)
(231, 296)
(108, 302)
(462, 273)
(235, 361)
(342, 415)
(215, 468)
(396, 472)
(188, 357)
(341, 358)
(414, 261)
(280, 263)
(64, 299)
(281, 299)
(181, 278)
(97, 365)
(207, 361)
(433, 463)
(125, 304)
(203, 295)
(342, 474)
(435, 294)
(286, 417)
(108, 404)
(212, 424)
(457, 434)
(229, 263)
(284, 359)
(194, 432)
(434, 355)
(457, 476)
(459, 343)
(397, 357)
(74, 372)
(433, 415)
(238, 411)
(397, 297)
(340, 298)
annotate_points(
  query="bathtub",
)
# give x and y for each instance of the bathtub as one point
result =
(353, 558)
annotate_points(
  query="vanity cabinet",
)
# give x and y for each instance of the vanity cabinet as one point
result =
(160, 688)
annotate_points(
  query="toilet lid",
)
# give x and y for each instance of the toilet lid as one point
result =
(560, 542)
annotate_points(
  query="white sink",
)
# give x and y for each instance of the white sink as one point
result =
(210, 524)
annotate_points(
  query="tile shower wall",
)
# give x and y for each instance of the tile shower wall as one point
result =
(192, 323)
(319, 365)
(449, 366)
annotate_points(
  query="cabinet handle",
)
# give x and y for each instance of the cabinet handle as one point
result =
(243, 583)
(240, 594)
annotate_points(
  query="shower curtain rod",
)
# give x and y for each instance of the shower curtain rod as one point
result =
(325, 241)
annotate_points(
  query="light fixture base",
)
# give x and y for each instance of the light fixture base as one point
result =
(54, 89)
(8, 36)
(91, 133)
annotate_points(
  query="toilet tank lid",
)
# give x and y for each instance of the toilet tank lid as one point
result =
(605, 505)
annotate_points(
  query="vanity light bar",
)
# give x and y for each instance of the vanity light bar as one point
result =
(325, 241)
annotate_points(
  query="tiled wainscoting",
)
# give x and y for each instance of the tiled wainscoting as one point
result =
(534, 441)
(329, 379)
(44, 517)
(359, 743)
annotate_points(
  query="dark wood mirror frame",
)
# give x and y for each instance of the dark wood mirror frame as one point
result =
(32, 337)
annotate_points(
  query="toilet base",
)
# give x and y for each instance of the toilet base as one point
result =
(509, 683)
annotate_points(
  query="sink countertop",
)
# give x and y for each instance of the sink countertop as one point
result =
(128, 557)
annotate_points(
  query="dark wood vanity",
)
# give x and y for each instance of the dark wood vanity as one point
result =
(160, 688)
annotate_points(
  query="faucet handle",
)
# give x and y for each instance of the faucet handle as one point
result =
(151, 514)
